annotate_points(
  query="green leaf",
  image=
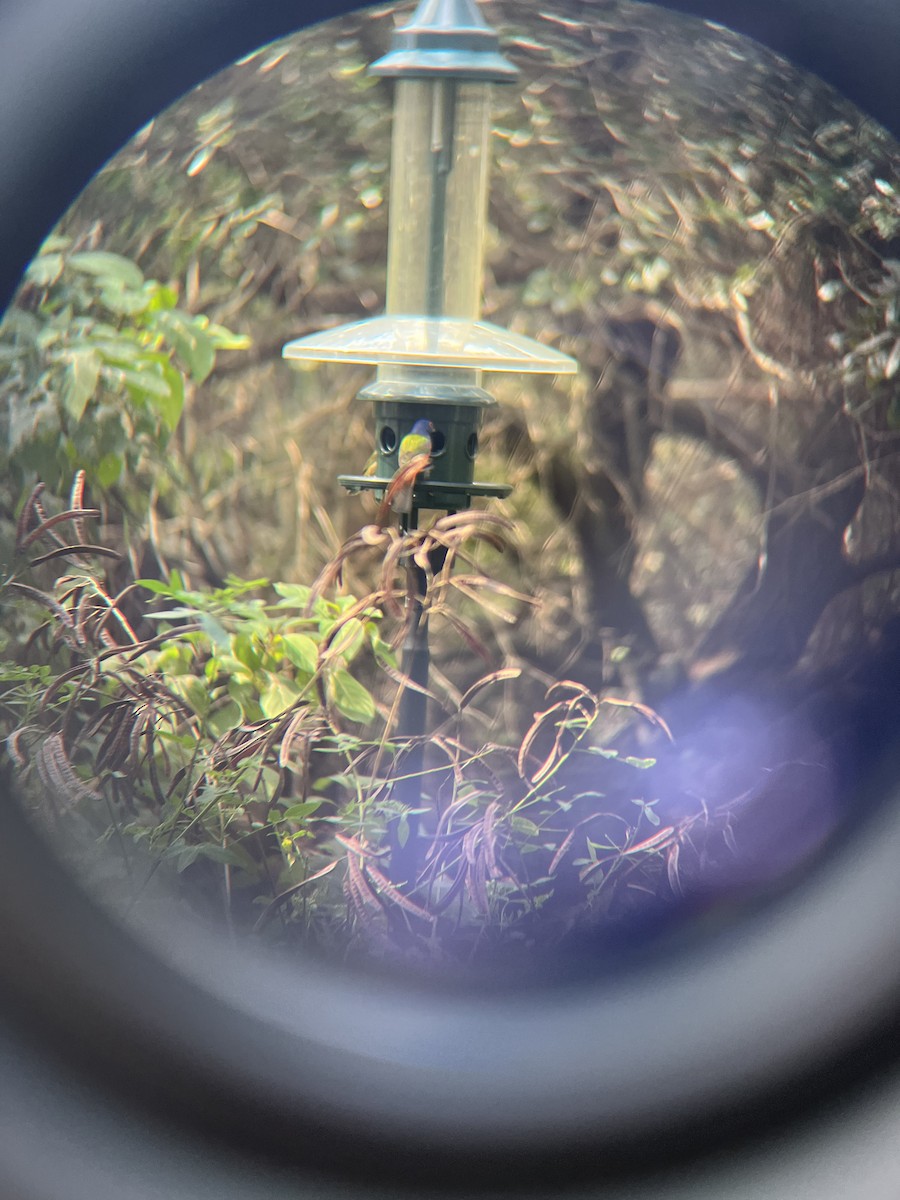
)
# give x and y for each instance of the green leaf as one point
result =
(80, 381)
(191, 341)
(159, 588)
(239, 586)
(302, 651)
(124, 302)
(109, 470)
(384, 652)
(245, 651)
(150, 386)
(11, 672)
(402, 830)
(348, 640)
(54, 243)
(185, 856)
(161, 296)
(278, 696)
(299, 812)
(225, 718)
(192, 690)
(244, 695)
(351, 698)
(117, 352)
(270, 780)
(215, 631)
(293, 595)
(170, 407)
(524, 825)
(231, 667)
(45, 270)
(144, 384)
(224, 339)
(22, 325)
(108, 267)
(174, 659)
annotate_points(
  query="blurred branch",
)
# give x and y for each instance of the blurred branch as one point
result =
(758, 460)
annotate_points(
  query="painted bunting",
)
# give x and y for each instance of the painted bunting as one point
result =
(413, 460)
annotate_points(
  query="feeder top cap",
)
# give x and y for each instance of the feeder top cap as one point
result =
(434, 342)
(446, 38)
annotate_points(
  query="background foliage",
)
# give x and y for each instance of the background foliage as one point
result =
(705, 519)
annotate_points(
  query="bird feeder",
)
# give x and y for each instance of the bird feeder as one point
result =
(431, 347)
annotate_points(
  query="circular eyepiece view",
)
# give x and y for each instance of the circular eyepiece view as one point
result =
(623, 684)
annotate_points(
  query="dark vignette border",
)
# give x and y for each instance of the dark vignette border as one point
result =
(77, 79)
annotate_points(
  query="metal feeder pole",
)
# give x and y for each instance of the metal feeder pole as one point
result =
(415, 663)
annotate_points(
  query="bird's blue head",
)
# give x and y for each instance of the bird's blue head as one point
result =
(423, 427)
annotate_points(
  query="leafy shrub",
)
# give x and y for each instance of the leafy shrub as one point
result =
(96, 360)
(248, 741)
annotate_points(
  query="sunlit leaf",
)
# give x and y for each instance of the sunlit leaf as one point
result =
(161, 297)
(124, 302)
(116, 352)
(224, 718)
(214, 630)
(302, 651)
(348, 639)
(193, 344)
(146, 384)
(224, 339)
(278, 696)
(351, 698)
(169, 408)
(80, 381)
(159, 588)
(246, 651)
(109, 470)
(292, 595)
(193, 690)
(104, 265)
(45, 270)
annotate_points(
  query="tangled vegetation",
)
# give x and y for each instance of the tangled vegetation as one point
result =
(238, 744)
